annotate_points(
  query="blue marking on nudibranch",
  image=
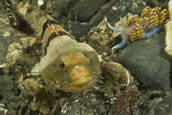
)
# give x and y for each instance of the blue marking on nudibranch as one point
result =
(114, 28)
(124, 39)
(152, 31)
(121, 44)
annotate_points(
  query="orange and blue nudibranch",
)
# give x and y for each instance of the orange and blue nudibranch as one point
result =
(136, 27)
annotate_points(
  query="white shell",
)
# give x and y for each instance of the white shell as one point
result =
(168, 28)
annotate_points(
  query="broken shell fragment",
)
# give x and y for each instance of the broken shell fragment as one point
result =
(69, 65)
(170, 9)
(168, 38)
(100, 33)
(16, 50)
(30, 87)
(104, 36)
(116, 74)
(39, 97)
(168, 28)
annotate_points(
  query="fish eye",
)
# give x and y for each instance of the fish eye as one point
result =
(62, 64)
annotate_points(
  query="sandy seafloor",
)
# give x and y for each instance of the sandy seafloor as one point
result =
(151, 68)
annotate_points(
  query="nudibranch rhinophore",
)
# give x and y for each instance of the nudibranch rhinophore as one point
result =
(67, 64)
(136, 27)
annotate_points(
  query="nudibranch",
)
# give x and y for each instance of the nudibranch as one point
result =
(136, 27)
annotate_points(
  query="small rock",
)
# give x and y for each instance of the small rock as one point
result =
(77, 30)
(6, 86)
(85, 9)
(59, 7)
(6, 34)
(126, 103)
(40, 97)
(164, 107)
(145, 62)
